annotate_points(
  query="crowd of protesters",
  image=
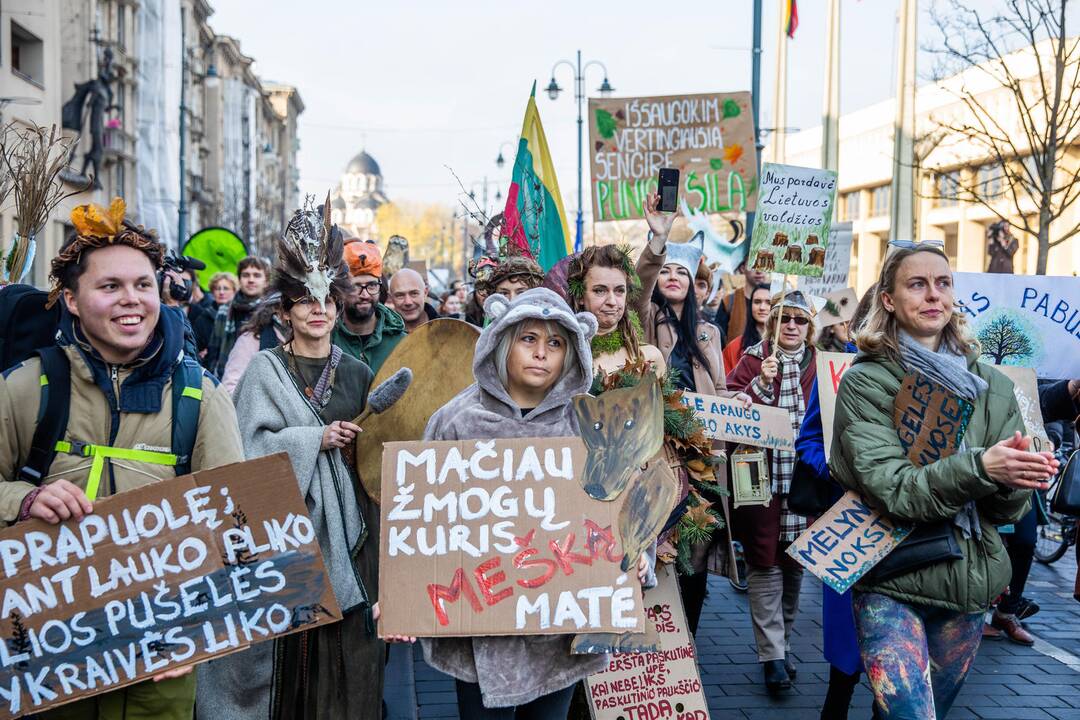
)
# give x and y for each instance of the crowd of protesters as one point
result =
(287, 366)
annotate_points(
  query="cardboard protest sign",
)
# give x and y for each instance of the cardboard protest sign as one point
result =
(930, 420)
(838, 307)
(791, 231)
(160, 577)
(661, 684)
(1025, 320)
(495, 537)
(726, 419)
(846, 542)
(1026, 390)
(837, 263)
(830, 368)
(709, 138)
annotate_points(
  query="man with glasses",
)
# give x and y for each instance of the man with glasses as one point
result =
(367, 330)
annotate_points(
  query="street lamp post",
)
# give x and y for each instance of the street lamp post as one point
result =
(553, 91)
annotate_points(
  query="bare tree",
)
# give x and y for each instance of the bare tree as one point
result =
(1029, 134)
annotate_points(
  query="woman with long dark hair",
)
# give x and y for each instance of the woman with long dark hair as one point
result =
(668, 310)
(760, 304)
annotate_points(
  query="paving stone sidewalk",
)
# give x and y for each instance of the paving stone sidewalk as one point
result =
(1008, 682)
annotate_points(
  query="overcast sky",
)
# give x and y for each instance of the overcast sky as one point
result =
(425, 85)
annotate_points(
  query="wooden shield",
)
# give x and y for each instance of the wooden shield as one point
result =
(440, 354)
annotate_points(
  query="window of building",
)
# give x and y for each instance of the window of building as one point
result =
(121, 29)
(27, 54)
(947, 188)
(991, 181)
(119, 177)
(850, 205)
(880, 198)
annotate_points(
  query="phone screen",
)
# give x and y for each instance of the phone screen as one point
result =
(669, 196)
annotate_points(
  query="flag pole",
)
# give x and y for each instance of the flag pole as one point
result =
(780, 89)
(902, 202)
(830, 123)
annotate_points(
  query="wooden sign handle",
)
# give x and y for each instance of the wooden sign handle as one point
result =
(779, 315)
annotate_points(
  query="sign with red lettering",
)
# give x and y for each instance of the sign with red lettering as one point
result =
(661, 684)
(495, 537)
(830, 368)
(164, 576)
(846, 542)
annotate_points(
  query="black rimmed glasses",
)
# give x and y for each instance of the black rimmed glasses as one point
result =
(371, 288)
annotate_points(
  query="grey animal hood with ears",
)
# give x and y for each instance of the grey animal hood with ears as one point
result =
(514, 670)
(536, 304)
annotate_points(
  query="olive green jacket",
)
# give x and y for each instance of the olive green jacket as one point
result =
(376, 347)
(868, 459)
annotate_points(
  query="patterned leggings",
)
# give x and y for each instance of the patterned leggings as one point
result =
(916, 657)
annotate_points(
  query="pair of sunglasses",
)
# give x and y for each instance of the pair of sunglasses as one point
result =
(911, 244)
(799, 320)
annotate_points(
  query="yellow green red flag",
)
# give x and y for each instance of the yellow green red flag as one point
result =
(534, 221)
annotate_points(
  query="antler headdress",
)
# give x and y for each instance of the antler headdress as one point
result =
(310, 255)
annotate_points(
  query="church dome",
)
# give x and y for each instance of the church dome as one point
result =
(337, 203)
(363, 164)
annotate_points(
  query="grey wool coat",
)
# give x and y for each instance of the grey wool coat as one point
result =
(274, 415)
(515, 670)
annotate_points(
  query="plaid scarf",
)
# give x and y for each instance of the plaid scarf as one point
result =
(783, 461)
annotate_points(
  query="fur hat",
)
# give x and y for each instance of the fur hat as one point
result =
(517, 266)
(363, 258)
(687, 254)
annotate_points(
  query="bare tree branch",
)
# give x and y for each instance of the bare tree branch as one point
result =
(980, 45)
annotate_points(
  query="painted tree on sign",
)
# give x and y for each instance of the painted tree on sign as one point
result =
(1003, 339)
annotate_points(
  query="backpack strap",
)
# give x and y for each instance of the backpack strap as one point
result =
(52, 414)
(187, 397)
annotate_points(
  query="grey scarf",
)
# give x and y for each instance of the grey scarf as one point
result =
(949, 369)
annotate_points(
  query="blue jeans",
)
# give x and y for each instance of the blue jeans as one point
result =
(553, 706)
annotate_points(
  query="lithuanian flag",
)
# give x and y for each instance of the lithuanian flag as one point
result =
(791, 18)
(534, 221)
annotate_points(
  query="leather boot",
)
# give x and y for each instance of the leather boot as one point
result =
(776, 676)
(1013, 628)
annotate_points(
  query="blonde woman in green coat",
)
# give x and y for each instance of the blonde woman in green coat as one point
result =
(918, 631)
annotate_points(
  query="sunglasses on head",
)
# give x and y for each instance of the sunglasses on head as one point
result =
(800, 320)
(911, 244)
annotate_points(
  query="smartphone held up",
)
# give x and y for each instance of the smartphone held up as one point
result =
(668, 189)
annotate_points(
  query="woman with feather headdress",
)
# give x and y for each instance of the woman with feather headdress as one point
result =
(300, 397)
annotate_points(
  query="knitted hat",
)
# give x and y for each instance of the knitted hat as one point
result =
(687, 254)
(363, 258)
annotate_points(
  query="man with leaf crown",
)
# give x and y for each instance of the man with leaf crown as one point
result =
(118, 355)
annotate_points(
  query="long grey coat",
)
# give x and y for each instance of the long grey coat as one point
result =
(274, 415)
(515, 670)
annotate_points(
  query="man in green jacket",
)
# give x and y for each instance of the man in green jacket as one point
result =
(367, 330)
